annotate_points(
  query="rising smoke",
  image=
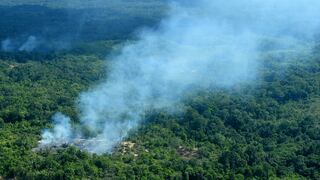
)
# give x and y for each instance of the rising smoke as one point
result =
(6, 45)
(34, 44)
(29, 44)
(61, 132)
(201, 44)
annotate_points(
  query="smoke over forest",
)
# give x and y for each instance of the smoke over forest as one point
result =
(200, 44)
(62, 25)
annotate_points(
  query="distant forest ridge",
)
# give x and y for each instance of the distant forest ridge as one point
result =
(61, 23)
(87, 4)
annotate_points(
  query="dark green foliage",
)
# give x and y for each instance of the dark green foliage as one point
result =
(269, 129)
(263, 130)
(60, 27)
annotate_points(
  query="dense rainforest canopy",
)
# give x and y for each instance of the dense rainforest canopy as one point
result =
(269, 129)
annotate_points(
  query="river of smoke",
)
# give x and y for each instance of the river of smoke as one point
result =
(201, 44)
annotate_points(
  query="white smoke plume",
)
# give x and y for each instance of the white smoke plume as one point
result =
(61, 133)
(28, 45)
(6, 45)
(31, 44)
(203, 43)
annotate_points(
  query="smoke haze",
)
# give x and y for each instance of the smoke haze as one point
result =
(201, 44)
(61, 133)
(64, 25)
(28, 45)
(6, 45)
